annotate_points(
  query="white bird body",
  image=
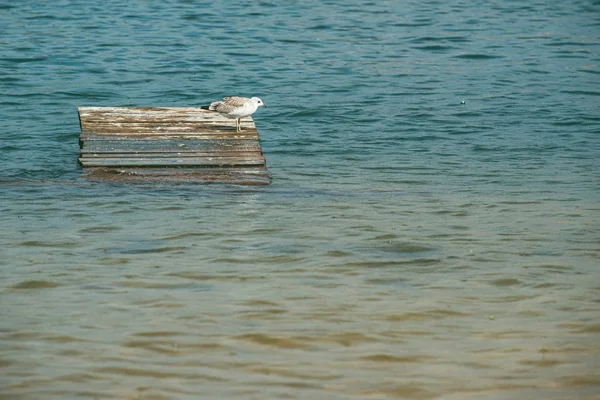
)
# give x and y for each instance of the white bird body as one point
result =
(237, 107)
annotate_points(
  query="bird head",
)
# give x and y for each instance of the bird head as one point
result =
(259, 102)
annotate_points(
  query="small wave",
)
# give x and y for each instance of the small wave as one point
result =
(166, 249)
(35, 284)
(413, 24)
(20, 60)
(581, 92)
(434, 48)
(478, 56)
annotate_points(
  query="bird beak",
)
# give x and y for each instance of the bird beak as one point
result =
(264, 105)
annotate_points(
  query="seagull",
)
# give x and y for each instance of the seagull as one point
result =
(236, 107)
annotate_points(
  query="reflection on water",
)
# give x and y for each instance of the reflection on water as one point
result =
(411, 246)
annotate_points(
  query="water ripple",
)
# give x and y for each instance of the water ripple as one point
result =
(430, 232)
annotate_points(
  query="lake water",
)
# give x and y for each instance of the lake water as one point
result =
(431, 231)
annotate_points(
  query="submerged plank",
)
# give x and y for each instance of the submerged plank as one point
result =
(168, 144)
(177, 176)
(238, 176)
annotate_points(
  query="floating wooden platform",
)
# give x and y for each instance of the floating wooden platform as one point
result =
(179, 145)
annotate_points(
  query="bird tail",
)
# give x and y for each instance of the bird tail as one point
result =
(213, 106)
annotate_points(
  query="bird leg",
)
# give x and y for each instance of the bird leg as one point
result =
(238, 126)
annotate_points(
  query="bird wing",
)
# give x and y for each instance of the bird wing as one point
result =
(228, 104)
(235, 101)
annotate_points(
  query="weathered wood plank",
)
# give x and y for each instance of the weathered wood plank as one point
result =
(132, 144)
(132, 118)
(151, 111)
(159, 151)
(163, 137)
(182, 155)
(160, 146)
(208, 118)
(170, 145)
(172, 128)
(138, 115)
(170, 132)
(125, 140)
(131, 161)
(141, 113)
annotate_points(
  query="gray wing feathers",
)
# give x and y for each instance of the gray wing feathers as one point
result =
(228, 104)
(236, 101)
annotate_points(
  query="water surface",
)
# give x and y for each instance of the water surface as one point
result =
(431, 231)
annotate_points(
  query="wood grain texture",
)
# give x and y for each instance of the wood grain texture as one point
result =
(158, 144)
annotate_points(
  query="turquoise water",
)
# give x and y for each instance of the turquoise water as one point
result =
(431, 231)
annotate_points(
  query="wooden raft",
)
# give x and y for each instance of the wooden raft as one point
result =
(179, 145)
